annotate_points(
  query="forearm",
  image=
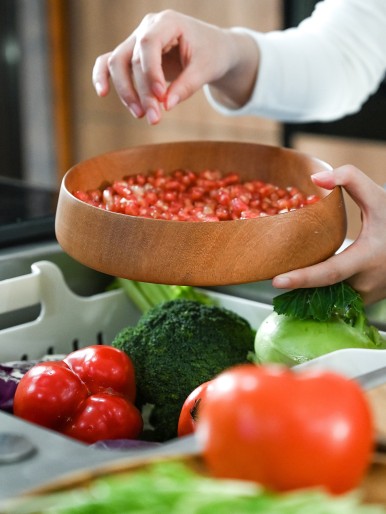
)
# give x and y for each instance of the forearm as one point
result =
(235, 87)
(323, 70)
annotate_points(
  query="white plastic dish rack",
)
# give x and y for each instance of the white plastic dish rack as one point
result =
(67, 321)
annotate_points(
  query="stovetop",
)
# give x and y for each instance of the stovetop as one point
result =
(27, 212)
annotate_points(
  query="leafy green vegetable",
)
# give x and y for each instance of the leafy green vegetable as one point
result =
(307, 323)
(175, 347)
(146, 295)
(338, 301)
(171, 487)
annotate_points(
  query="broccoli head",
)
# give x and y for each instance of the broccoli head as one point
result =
(175, 347)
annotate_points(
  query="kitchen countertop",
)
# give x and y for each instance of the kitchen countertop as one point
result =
(70, 459)
(65, 455)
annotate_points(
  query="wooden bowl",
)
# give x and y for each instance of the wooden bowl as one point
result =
(199, 253)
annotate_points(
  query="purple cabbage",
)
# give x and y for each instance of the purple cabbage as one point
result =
(10, 375)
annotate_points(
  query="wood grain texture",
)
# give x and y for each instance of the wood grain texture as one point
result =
(193, 253)
(371, 490)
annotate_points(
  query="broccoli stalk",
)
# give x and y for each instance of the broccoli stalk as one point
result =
(146, 295)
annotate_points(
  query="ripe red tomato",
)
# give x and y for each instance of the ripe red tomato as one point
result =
(89, 395)
(48, 394)
(105, 416)
(104, 368)
(190, 410)
(286, 430)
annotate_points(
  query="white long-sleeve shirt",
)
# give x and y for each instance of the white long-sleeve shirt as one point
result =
(322, 70)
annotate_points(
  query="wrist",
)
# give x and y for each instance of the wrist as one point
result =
(234, 88)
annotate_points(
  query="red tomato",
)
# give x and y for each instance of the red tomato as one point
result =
(286, 430)
(104, 368)
(190, 410)
(105, 416)
(48, 394)
(89, 395)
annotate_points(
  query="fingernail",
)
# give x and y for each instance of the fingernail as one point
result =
(171, 101)
(152, 116)
(135, 110)
(158, 90)
(99, 88)
(282, 282)
(323, 174)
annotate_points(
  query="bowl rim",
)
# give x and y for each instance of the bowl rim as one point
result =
(195, 142)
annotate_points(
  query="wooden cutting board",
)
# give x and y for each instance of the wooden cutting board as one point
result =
(373, 487)
(377, 399)
(375, 482)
